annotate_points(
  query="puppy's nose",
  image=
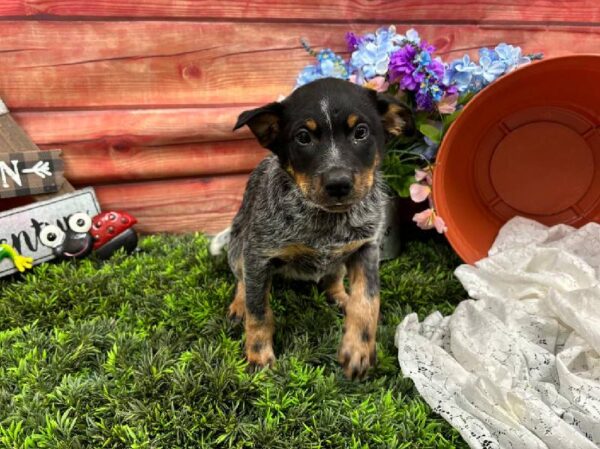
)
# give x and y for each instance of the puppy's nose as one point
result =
(338, 183)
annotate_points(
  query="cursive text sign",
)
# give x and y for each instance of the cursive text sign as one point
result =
(20, 227)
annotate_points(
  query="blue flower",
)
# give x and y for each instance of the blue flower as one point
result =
(328, 65)
(372, 57)
(425, 148)
(459, 73)
(423, 58)
(307, 75)
(483, 52)
(412, 36)
(511, 56)
(489, 69)
(477, 83)
(436, 92)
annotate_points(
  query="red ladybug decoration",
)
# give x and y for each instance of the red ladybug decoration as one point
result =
(113, 230)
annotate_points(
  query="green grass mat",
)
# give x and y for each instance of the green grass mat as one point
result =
(136, 352)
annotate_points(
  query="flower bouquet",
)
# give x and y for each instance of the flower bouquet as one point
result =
(404, 65)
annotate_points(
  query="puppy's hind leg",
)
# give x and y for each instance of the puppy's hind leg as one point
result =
(237, 308)
(333, 284)
(259, 322)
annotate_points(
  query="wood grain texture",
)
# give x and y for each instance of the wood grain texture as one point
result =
(148, 90)
(126, 145)
(203, 204)
(121, 64)
(137, 127)
(396, 11)
(100, 162)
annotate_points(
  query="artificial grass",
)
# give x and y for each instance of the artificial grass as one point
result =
(137, 352)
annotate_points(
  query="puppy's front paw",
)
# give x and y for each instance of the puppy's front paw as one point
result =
(259, 355)
(236, 312)
(357, 353)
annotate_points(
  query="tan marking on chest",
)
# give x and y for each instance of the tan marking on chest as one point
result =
(292, 251)
(298, 250)
(350, 247)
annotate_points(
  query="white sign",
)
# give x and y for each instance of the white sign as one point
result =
(20, 227)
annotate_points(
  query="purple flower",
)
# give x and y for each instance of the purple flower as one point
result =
(411, 82)
(426, 47)
(424, 100)
(353, 41)
(401, 63)
(436, 67)
(451, 90)
(416, 70)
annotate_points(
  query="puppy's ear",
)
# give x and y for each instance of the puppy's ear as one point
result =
(264, 122)
(396, 116)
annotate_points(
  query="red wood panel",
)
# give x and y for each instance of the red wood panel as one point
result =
(109, 64)
(125, 145)
(125, 128)
(98, 162)
(318, 10)
(206, 204)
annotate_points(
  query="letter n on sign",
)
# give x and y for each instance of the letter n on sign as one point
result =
(30, 173)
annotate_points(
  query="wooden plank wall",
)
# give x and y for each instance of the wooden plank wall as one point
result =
(142, 94)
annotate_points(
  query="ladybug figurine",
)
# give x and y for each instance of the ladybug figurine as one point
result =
(113, 230)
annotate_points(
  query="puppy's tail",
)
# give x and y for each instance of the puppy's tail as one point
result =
(219, 242)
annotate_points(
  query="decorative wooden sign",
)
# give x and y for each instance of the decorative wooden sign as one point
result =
(13, 141)
(30, 173)
(21, 227)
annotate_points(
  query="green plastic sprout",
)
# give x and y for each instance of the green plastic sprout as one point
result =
(21, 263)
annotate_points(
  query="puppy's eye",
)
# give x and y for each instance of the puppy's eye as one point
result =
(303, 137)
(361, 132)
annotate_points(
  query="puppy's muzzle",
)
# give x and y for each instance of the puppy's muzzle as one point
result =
(338, 184)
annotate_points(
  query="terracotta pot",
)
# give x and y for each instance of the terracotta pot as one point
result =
(527, 145)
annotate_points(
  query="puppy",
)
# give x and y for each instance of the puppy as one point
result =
(314, 210)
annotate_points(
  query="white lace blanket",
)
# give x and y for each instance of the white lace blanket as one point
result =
(519, 366)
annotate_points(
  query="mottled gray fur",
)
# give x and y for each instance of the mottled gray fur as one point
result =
(274, 212)
(314, 209)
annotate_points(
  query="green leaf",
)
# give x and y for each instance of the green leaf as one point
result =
(464, 99)
(400, 175)
(447, 120)
(404, 186)
(421, 118)
(430, 131)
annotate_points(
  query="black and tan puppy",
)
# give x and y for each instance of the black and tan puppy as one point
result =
(314, 210)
